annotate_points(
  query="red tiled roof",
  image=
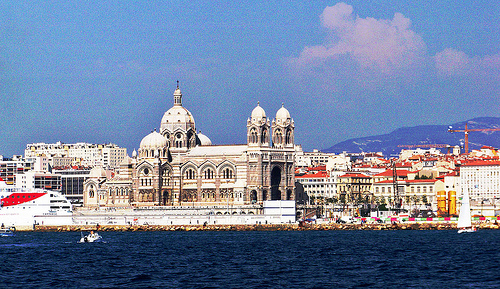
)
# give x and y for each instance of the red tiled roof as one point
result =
(313, 175)
(388, 173)
(354, 175)
(421, 181)
(318, 168)
(407, 181)
(403, 165)
(482, 163)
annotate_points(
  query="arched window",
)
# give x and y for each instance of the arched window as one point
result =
(178, 140)
(288, 138)
(253, 136)
(278, 137)
(189, 174)
(263, 136)
(227, 173)
(209, 173)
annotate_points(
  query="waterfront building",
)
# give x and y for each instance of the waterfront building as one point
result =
(317, 158)
(86, 154)
(10, 167)
(178, 166)
(72, 180)
(39, 180)
(355, 187)
(481, 179)
(419, 194)
(319, 184)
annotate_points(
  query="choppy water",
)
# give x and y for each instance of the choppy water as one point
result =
(305, 259)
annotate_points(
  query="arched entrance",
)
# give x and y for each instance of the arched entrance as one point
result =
(264, 195)
(289, 195)
(275, 183)
(165, 197)
(253, 196)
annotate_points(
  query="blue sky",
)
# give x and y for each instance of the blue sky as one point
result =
(79, 71)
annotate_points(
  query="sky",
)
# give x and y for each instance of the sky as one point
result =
(105, 71)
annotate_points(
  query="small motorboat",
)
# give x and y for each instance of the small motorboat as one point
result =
(7, 232)
(91, 238)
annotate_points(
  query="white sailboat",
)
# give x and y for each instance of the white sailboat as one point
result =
(464, 224)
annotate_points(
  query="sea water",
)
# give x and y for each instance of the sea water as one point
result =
(250, 259)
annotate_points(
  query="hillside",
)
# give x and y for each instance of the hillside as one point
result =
(424, 134)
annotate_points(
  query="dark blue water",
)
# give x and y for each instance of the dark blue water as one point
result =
(306, 259)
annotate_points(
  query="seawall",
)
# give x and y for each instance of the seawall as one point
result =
(267, 227)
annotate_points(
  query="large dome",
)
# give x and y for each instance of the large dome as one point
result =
(153, 140)
(282, 115)
(177, 116)
(258, 113)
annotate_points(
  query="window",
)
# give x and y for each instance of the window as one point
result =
(189, 174)
(208, 174)
(227, 173)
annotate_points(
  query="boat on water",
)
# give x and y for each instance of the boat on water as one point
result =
(6, 232)
(464, 224)
(25, 207)
(91, 238)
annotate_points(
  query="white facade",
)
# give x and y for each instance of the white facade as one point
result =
(317, 158)
(320, 185)
(107, 155)
(481, 179)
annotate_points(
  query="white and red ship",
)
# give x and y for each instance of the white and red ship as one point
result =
(28, 207)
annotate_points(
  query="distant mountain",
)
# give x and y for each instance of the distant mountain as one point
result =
(424, 134)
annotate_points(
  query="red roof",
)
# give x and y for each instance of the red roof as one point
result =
(388, 173)
(313, 175)
(403, 165)
(482, 163)
(407, 181)
(452, 174)
(421, 181)
(318, 168)
(354, 175)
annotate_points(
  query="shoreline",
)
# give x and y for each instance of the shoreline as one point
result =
(255, 227)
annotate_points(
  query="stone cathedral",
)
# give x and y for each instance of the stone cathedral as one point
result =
(178, 166)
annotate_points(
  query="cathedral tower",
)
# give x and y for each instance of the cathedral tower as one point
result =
(258, 128)
(283, 129)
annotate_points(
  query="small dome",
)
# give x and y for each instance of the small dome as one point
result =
(204, 140)
(97, 172)
(153, 140)
(258, 113)
(282, 114)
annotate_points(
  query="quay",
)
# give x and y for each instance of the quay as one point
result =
(257, 227)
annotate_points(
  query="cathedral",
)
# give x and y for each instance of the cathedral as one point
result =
(178, 166)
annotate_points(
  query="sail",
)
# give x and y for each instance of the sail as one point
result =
(464, 217)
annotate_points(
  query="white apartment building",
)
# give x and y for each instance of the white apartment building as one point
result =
(317, 158)
(481, 179)
(321, 184)
(106, 155)
(38, 180)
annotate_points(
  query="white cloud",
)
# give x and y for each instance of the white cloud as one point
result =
(378, 45)
(452, 62)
